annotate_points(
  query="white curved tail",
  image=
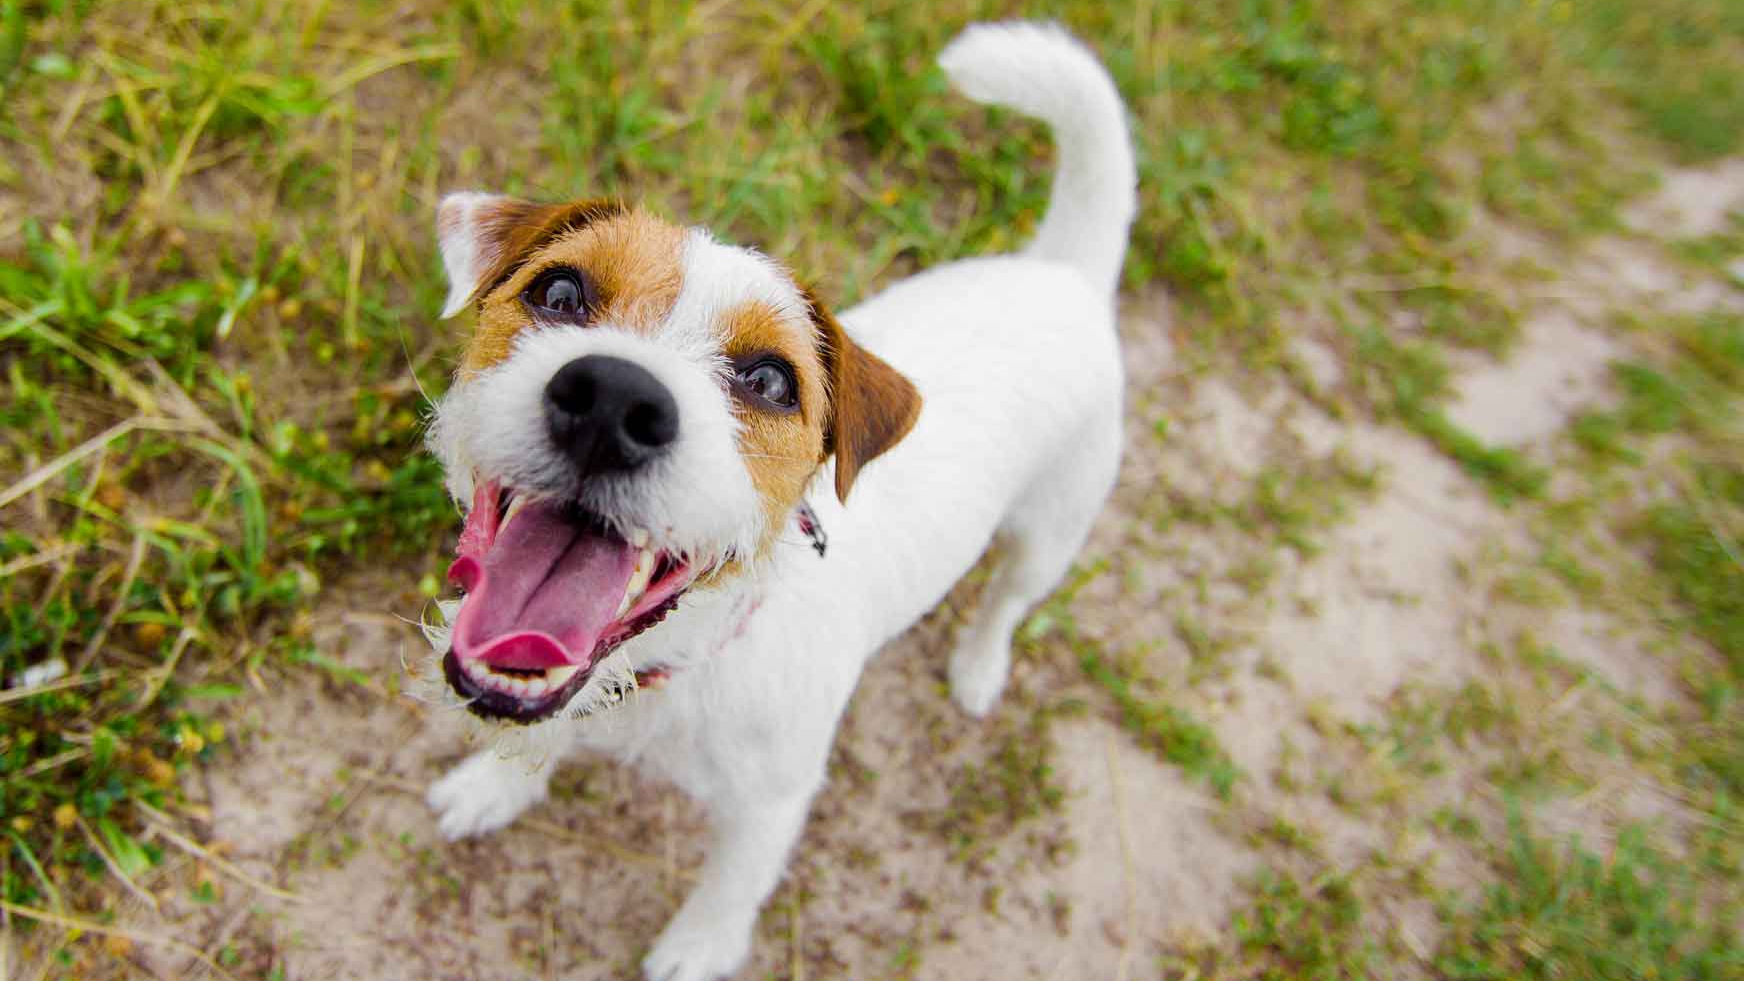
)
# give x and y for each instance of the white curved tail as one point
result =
(1042, 71)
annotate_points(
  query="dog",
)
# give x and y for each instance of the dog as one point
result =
(697, 502)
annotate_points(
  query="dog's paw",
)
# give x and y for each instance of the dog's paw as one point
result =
(978, 676)
(483, 794)
(699, 952)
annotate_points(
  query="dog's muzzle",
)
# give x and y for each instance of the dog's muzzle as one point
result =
(552, 588)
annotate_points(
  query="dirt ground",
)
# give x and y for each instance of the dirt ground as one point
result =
(323, 851)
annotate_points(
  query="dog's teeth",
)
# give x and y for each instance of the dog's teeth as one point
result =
(516, 503)
(555, 677)
(638, 582)
(639, 537)
(536, 686)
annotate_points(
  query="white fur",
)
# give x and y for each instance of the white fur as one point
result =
(464, 256)
(719, 277)
(1044, 72)
(1019, 438)
(494, 423)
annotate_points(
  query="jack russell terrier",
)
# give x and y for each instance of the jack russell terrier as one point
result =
(652, 430)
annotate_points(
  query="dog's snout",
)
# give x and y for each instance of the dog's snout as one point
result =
(609, 414)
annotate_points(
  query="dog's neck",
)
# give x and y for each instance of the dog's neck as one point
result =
(709, 620)
(662, 662)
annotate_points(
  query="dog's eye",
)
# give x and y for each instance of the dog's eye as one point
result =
(558, 291)
(771, 381)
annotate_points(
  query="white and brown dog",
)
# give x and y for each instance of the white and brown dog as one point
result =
(643, 414)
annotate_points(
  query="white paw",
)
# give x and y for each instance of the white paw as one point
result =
(697, 952)
(978, 676)
(484, 794)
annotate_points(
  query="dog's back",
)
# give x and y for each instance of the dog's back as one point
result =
(1017, 359)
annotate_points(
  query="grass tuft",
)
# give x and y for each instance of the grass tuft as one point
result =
(1560, 911)
(1166, 730)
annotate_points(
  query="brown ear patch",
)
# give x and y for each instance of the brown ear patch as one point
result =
(872, 406)
(507, 230)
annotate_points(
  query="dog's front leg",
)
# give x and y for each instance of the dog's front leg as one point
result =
(485, 793)
(711, 934)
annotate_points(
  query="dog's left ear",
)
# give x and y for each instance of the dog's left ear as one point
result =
(484, 237)
(872, 406)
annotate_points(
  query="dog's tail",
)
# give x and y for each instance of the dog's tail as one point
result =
(1041, 71)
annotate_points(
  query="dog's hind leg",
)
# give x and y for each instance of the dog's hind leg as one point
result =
(1034, 550)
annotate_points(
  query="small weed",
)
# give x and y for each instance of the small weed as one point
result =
(1014, 785)
(1310, 930)
(1715, 251)
(1296, 502)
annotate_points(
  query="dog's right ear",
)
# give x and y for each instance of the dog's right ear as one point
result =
(485, 237)
(872, 405)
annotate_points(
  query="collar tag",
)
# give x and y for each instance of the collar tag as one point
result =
(809, 527)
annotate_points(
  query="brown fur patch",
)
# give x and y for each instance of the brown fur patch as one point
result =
(781, 450)
(634, 260)
(507, 230)
(872, 406)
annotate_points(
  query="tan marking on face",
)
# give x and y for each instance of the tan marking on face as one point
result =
(633, 260)
(781, 449)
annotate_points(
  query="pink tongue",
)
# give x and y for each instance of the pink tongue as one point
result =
(542, 594)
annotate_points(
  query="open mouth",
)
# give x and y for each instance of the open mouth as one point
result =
(551, 590)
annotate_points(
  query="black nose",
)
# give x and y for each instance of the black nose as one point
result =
(607, 414)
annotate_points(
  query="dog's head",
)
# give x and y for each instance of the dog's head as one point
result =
(638, 412)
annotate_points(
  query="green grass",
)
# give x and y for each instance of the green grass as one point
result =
(1292, 505)
(1164, 729)
(1675, 66)
(991, 798)
(1560, 911)
(217, 285)
(1406, 381)
(1678, 420)
(1312, 931)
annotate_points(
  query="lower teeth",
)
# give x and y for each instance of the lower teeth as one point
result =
(522, 685)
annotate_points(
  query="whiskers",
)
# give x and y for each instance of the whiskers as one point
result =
(426, 685)
(609, 685)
